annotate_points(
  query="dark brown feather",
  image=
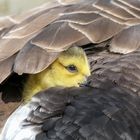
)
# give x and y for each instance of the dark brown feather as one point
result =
(58, 37)
(36, 24)
(99, 30)
(32, 59)
(6, 67)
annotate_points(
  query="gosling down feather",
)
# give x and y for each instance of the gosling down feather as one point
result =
(43, 46)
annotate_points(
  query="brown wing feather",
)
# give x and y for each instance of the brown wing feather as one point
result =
(58, 37)
(6, 67)
(128, 38)
(131, 3)
(80, 18)
(9, 47)
(109, 7)
(30, 27)
(99, 30)
(32, 59)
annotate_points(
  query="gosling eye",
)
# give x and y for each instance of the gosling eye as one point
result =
(71, 68)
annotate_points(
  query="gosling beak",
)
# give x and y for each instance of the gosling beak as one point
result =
(86, 83)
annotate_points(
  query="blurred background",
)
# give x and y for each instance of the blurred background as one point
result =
(17, 6)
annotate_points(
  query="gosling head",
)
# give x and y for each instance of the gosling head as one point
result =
(70, 69)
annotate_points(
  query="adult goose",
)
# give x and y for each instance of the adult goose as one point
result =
(34, 40)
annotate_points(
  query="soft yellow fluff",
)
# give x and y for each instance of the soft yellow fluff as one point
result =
(59, 73)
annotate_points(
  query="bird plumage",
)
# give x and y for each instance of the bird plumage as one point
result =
(109, 25)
